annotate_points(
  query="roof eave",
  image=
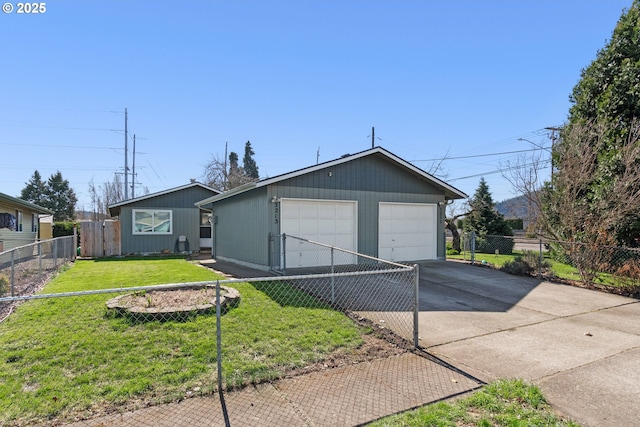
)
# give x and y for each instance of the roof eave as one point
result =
(160, 193)
(25, 204)
(237, 190)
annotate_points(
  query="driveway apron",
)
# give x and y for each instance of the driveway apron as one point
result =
(581, 347)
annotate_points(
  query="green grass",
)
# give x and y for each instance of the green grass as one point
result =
(503, 403)
(67, 356)
(560, 270)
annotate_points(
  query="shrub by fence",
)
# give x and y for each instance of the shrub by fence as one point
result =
(593, 264)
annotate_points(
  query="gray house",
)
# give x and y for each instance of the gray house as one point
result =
(167, 221)
(372, 202)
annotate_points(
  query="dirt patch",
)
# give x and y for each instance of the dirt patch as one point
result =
(167, 304)
(380, 343)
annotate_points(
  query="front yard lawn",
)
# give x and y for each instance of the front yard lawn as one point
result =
(68, 357)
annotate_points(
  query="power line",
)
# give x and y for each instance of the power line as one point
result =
(61, 146)
(481, 155)
(64, 128)
(542, 162)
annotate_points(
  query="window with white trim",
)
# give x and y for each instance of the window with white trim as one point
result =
(149, 221)
(34, 223)
(19, 221)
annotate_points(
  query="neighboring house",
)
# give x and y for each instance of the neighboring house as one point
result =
(167, 221)
(19, 223)
(372, 202)
(46, 227)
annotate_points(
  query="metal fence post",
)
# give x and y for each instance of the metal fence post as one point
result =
(541, 259)
(40, 259)
(472, 245)
(55, 253)
(219, 353)
(13, 257)
(416, 309)
(333, 284)
(74, 243)
(284, 253)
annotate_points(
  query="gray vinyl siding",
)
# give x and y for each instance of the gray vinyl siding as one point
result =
(184, 198)
(242, 228)
(246, 220)
(368, 181)
(185, 221)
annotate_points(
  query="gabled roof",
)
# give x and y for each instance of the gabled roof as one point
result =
(24, 204)
(450, 192)
(162, 193)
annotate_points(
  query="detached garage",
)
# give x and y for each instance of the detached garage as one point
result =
(372, 202)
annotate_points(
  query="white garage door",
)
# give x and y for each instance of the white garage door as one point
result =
(407, 231)
(330, 222)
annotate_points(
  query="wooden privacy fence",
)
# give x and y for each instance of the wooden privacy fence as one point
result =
(100, 238)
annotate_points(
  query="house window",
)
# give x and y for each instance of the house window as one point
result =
(19, 221)
(34, 223)
(152, 221)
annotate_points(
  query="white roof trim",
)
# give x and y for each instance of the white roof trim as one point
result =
(161, 193)
(345, 159)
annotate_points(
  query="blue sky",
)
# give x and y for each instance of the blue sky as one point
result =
(436, 78)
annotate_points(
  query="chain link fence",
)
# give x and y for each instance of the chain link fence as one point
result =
(249, 352)
(592, 264)
(25, 269)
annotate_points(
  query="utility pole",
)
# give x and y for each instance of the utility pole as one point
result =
(226, 180)
(553, 130)
(126, 160)
(318, 156)
(133, 170)
(373, 136)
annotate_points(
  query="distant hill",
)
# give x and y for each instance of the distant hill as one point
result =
(516, 207)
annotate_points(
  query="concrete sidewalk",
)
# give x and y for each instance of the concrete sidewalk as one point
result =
(347, 396)
(581, 347)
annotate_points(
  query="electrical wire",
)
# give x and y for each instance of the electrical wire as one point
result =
(481, 155)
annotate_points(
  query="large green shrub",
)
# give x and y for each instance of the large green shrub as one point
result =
(491, 244)
(65, 228)
(525, 265)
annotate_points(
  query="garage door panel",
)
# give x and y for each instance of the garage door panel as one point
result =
(407, 231)
(326, 211)
(325, 221)
(344, 211)
(309, 226)
(344, 227)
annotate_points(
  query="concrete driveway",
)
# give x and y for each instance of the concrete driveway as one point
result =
(581, 347)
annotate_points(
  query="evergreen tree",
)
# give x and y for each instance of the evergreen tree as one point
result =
(248, 163)
(609, 88)
(35, 190)
(484, 219)
(487, 223)
(605, 110)
(61, 198)
(234, 168)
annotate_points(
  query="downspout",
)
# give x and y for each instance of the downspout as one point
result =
(213, 221)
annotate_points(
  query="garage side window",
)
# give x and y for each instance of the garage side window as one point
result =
(152, 221)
